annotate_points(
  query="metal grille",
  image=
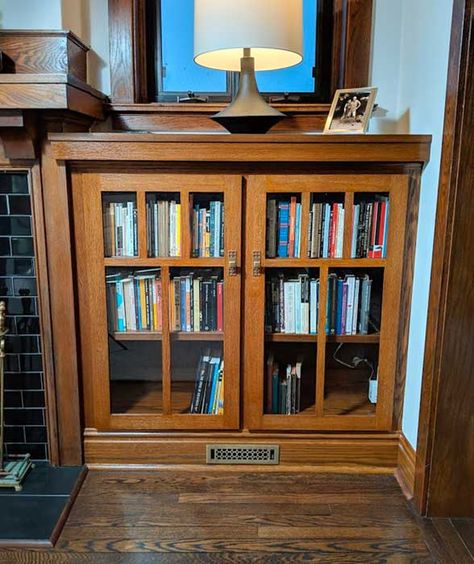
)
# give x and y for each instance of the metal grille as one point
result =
(242, 454)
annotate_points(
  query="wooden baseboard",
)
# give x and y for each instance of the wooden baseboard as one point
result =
(406, 466)
(338, 452)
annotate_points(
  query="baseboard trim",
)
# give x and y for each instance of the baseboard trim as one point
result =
(406, 466)
(349, 453)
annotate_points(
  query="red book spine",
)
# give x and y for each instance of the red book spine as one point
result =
(333, 231)
(373, 230)
(381, 229)
(220, 306)
(291, 241)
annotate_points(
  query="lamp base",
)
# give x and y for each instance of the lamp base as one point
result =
(248, 112)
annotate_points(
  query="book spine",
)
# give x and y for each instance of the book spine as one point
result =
(313, 319)
(275, 390)
(298, 231)
(297, 306)
(355, 229)
(339, 312)
(327, 222)
(292, 225)
(121, 326)
(220, 306)
(212, 228)
(283, 229)
(221, 238)
(333, 230)
(385, 234)
(355, 309)
(340, 231)
(344, 308)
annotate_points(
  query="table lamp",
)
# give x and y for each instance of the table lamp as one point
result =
(248, 36)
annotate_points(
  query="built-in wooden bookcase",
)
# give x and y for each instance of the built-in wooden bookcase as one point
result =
(288, 315)
(140, 368)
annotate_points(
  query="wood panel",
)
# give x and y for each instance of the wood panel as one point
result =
(406, 466)
(63, 318)
(445, 453)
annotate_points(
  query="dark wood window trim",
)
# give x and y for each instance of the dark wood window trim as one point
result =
(343, 61)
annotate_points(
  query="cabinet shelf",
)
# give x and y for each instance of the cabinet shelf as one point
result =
(371, 338)
(291, 337)
(178, 262)
(331, 263)
(175, 336)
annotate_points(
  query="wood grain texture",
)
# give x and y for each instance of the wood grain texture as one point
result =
(406, 466)
(445, 454)
(34, 52)
(138, 523)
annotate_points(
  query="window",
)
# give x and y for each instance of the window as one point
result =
(177, 74)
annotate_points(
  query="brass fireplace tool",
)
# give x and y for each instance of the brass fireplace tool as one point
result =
(13, 470)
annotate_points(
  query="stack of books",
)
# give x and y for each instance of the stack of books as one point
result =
(163, 227)
(197, 302)
(207, 225)
(120, 229)
(292, 304)
(208, 395)
(283, 228)
(283, 387)
(326, 230)
(348, 305)
(134, 301)
(370, 228)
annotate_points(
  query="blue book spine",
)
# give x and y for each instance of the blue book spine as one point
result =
(298, 231)
(215, 375)
(182, 302)
(120, 306)
(138, 309)
(339, 293)
(328, 308)
(212, 226)
(221, 228)
(283, 228)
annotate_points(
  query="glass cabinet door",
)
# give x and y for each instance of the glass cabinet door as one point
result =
(158, 263)
(322, 272)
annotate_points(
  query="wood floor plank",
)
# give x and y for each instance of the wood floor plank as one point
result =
(285, 498)
(400, 531)
(465, 529)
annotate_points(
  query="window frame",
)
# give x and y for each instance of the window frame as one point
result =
(342, 56)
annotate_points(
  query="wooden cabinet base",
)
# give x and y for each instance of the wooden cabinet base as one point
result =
(350, 452)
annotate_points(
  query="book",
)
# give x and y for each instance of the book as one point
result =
(120, 229)
(283, 387)
(208, 392)
(163, 218)
(326, 230)
(207, 228)
(370, 227)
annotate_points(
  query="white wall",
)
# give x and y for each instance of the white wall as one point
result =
(409, 65)
(86, 18)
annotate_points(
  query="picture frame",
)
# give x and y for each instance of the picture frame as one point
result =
(351, 110)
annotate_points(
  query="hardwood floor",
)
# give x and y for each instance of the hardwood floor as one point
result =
(228, 516)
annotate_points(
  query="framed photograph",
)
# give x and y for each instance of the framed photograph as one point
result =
(350, 111)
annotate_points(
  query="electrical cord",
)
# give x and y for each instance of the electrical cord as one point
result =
(356, 361)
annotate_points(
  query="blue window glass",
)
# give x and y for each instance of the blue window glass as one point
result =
(181, 73)
(300, 77)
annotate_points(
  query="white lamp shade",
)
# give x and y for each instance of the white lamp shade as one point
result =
(272, 29)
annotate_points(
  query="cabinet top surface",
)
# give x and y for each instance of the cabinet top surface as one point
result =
(226, 147)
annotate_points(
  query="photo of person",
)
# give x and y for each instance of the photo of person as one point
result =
(350, 110)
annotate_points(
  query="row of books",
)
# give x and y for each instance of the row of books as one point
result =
(134, 301)
(120, 229)
(207, 224)
(208, 395)
(163, 227)
(326, 230)
(370, 228)
(197, 302)
(283, 228)
(283, 391)
(292, 304)
(348, 304)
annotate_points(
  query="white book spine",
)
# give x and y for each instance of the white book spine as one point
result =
(118, 228)
(355, 309)
(196, 313)
(327, 219)
(289, 305)
(130, 229)
(340, 230)
(350, 303)
(172, 229)
(298, 231)
(297, 306)
(217, 230)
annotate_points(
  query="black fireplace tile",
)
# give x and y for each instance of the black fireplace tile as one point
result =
(6, 287)
(16, 434)
(33, 398)
(31, 363)
(27, 326)
(19, 205)
(15, 225)
(24, 286)
(34, 434)
(22, 416)
(10, 325)
(21, 306)
(3, 205)
(17, 267)
(23, 344)
(14, 399)
(22, 246)
(24, 381)
(37, 451)
(5, 248)
(13, 183)
(12, 363)
(51, 481)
